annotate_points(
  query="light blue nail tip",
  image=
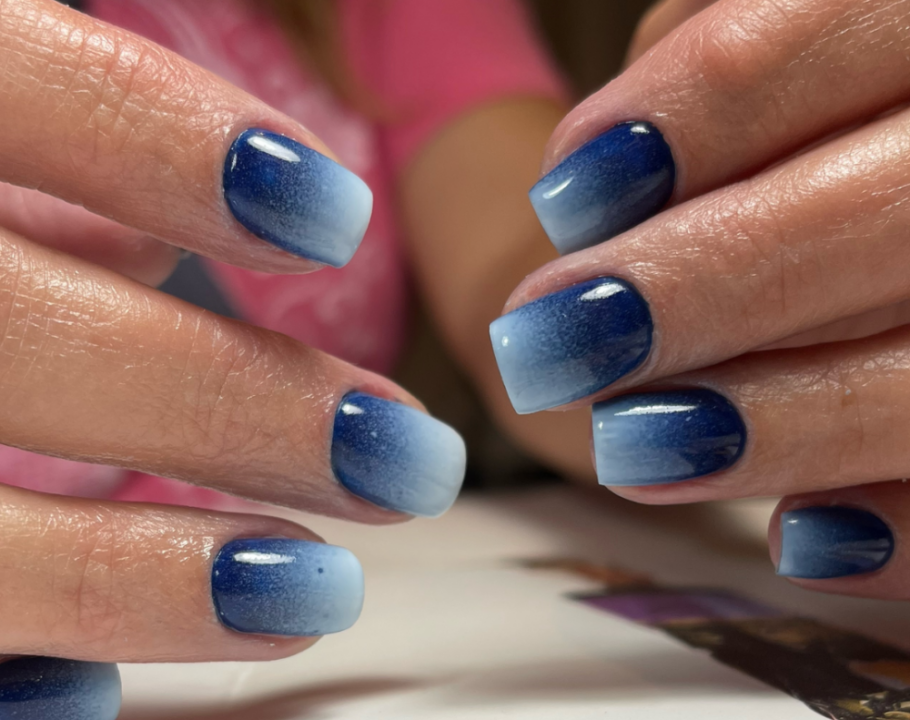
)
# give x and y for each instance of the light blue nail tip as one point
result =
(665, 437)
(609, 185)
(278, 586)
(565, 346)
(397, 457)
(44, 688)
(296, 198)
(829, 542)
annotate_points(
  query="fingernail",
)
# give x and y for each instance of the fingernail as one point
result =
(831, 542)
(278, 586)
(397, 457)
(666, 437)
(607, 186)
(296, 198)
(568, 345)
(44, 688)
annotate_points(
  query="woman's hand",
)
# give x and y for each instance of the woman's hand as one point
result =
(95, 366)
(744, 185)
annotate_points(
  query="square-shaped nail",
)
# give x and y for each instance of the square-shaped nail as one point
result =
(665, 437)
(572, 343)
(397, 457)
(280, 586)
(818, 543)
(296, 198)
(609, 185)
(41, 688)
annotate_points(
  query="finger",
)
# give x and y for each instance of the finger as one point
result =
(95, 367)
(853, 328)
(74, 230)
(817, 240)
(737, 88)
(659, 21)
(102, 118)
(100, 581)
(766, 424)
(846, 541)
(35, 688)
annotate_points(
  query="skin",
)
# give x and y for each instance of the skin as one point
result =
(777, 275)
(96, 366)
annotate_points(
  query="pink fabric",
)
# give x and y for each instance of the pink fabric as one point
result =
(427, 61)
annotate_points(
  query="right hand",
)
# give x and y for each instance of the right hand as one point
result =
(95, 366)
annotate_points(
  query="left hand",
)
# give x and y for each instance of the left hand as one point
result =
(750, 172)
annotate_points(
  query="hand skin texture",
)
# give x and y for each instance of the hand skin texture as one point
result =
(115, 156)
(775, 277)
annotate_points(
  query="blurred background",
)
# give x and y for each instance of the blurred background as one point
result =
(588, 39)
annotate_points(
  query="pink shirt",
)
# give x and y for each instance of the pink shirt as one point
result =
(426, 61)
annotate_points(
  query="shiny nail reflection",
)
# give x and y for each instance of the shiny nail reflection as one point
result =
(665, 437)
(278, 586)
(45, 688)
(830, 542)
(572, 343)
(607, 186)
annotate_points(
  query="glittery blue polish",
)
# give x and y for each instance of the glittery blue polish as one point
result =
(568, 345)
(295, 197)
(278, 586)
(665, 437)
(44, 688)
(397, 457)
(607, 186)
(819, 543)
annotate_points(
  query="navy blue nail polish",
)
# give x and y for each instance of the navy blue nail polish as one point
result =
(818, 543)
(295, 197)
(665, 437)
(607, 186)
(397, 457)
(44, 688)
(572, 343)
(279, 586)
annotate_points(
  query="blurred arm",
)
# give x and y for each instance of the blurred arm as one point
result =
(472, 238)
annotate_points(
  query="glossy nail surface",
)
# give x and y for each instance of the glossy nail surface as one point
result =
(278, 586)
(667, 437)
(607, 186)
(43, 688)
(565, 346)
(397, 457)
(830, 542)
(296, 198)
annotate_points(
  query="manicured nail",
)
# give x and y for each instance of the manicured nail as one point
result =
(830, 542)
(665, 437)
(295, 197)
(397, 457)
(44, 688)
(568, 345)
(278, 586)
(607, 186)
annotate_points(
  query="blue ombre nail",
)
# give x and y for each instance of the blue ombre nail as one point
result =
(44, 688)
(665, 437)
(278, 586)
(397, 457)
(818, 543)
(607, 186)
(568, 345)
(296, 198)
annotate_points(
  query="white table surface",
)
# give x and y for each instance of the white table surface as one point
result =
(453, 628)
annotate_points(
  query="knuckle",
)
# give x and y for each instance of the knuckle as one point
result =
(231, 398)
(88, 601)
(776, 266)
